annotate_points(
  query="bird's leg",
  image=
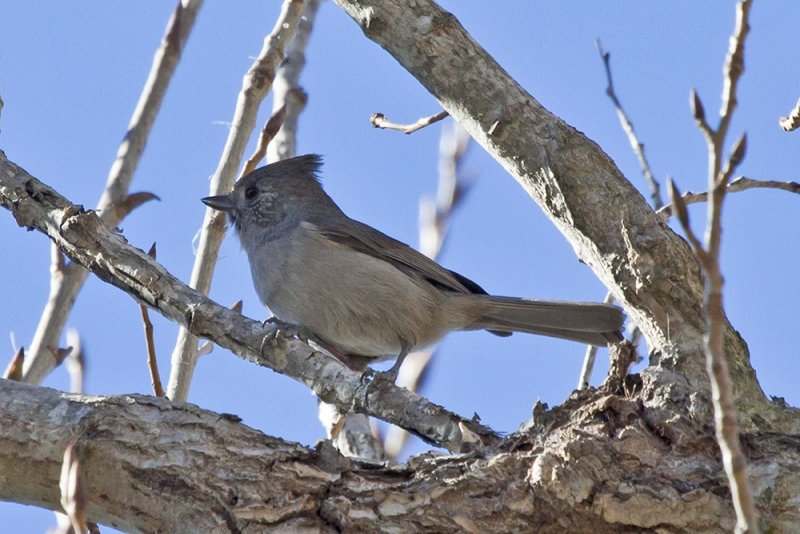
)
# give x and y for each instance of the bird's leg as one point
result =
(391, 374)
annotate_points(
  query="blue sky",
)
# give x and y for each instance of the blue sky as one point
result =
(70, 76)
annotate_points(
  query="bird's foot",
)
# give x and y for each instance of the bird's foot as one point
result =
(390, 375)
(282, 330)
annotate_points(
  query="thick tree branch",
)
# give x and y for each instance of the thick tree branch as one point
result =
(152, 465)
(83, 237)
(648, 268)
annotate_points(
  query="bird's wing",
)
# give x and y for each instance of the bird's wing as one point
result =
(367, 240)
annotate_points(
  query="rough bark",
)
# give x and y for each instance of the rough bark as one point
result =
(588, 466)
(630, 460)
(648, 268)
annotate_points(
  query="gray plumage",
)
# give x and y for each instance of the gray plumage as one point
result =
(364, 293)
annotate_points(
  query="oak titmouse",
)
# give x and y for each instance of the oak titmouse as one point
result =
(364, 294)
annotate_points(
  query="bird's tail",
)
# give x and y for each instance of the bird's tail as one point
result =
(584, 322)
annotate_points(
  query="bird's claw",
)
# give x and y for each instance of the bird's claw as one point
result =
(285, 330)
(369, 375)
(282, 330)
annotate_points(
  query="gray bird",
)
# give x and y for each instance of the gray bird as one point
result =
(364, 294)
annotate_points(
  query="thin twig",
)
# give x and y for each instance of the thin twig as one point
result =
(727, 432)
(627, 127)
(75, 362)
(741, 183)
(286, 90)
(699, 114)
(152, 361)
(789, 123)
(14, 369)
(74, 495)
(682, 215)
(590, 355)
(268, 132)
(114, 201)
(434, 223)
(379, 120)
(255, 86)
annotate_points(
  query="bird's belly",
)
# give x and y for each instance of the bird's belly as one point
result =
(361, 306)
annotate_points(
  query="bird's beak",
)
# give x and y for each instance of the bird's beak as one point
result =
(220, 202)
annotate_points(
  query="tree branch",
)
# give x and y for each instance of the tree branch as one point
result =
(741, 183)
(287, 90)
(627, 127)
(152, 360)
(114, 203)
(434, 224)
(255, 87)
(645, 265)
(590, 466)
(379, 120)
(722, 390)
(85, 239)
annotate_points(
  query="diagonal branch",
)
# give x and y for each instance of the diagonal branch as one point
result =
(84, 238)
(647, 267)
(255, 86)
(115, 202)
(627, 127)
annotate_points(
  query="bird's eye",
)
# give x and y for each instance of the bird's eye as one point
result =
(250, 193)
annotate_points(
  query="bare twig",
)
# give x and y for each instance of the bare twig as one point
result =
(627, 127)
(115, 201)
(716, 361)
(591, 354)
(741, 183)
(699, 114)
(434, 222)
(255, 87)
(152, 361)
(789, 123)
(14, 369)
(74, 497)
(268, 132)
(379, 120)
(75, 362)
(286, 89)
